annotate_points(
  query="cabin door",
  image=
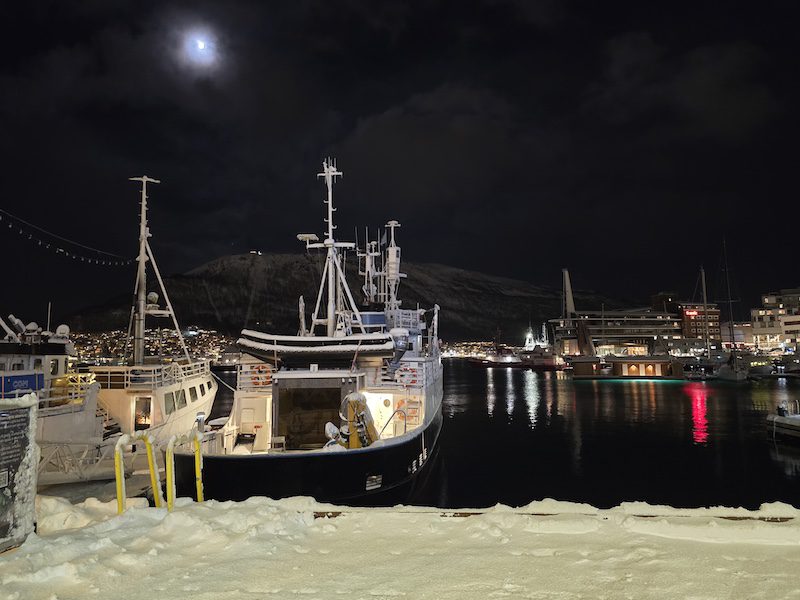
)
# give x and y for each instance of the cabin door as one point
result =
(143, 414)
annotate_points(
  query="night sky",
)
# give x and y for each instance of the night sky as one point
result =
(509, 137)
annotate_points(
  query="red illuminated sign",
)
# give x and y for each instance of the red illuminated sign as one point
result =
(690, 313)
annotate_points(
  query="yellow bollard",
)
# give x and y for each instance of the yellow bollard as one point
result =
(170, 460)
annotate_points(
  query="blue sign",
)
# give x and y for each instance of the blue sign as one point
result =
(14, 385)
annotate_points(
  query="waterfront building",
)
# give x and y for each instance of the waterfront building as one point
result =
(776, 323)
(632, 332)
(742, 335)
(694, 316)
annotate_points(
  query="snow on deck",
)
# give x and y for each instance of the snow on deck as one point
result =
(264, 548)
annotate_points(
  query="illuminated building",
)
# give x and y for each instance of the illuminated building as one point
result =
(776, 324)
(694, 317)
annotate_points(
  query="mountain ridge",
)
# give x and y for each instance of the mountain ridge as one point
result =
(262, 291)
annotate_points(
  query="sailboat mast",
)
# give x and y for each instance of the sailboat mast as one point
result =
(730, 298)
(141, 277)
(705, 311)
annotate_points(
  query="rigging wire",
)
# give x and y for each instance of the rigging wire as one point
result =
(60, 244)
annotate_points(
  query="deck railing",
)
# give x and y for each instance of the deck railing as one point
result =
(149, 377)
(253, 377)
(65, 392)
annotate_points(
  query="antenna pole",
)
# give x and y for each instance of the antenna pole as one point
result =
(329, 172)
(141, 277)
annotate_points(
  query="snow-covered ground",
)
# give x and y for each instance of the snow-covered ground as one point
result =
(263, 548)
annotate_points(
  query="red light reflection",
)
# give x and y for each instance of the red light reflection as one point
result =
(697, 392)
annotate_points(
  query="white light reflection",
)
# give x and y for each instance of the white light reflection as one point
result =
(511, 398)
(490, 393)
(531, 387)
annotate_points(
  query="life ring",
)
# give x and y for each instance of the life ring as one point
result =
(260, 375)
(407, 375)
(401, 405)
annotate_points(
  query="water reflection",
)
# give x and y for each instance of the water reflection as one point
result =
(490, 394)
(697, 392)
(531, 394)
(510, 395)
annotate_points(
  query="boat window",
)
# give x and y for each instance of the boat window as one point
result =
(180, 399)
(2, 366)
(17, 366)
(169, 403)
(193, 394)
(37, 363)
(210, 387)
(202, 389)
(53, 366)
(142, 420)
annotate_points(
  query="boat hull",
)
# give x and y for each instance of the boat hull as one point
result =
(381, 475)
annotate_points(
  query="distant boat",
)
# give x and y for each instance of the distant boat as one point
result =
(785, 421)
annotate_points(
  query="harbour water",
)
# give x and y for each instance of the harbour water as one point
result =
(512, 436)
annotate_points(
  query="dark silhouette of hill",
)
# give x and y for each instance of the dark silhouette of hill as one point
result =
(251, 290)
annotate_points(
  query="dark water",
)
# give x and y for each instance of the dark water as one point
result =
(513, 436)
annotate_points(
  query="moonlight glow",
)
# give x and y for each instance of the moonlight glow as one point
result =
(200, 49)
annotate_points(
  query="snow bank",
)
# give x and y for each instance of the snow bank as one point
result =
(264, 548)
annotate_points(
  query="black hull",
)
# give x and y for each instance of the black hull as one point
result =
(335, 477)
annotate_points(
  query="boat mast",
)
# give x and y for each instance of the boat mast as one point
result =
(141, 275)
(705, 311)
(333, 276)
(730, 301)
(141, 307)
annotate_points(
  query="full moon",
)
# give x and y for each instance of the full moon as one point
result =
(199, 49)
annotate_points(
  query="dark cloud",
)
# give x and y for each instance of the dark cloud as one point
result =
(512, 137)
(708, 90)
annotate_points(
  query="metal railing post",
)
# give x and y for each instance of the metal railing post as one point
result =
(119, 472)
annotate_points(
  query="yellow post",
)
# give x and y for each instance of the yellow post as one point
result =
(198, 466)
(170, 460)
(119, 473)
(151, 464)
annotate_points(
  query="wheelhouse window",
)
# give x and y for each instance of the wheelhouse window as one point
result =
(202, 389)
(180, 399)
(169, 403)
(193, 394)
(53, 366)
(17, 366)
(37, 363)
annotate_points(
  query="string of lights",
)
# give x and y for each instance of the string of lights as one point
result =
(59, 244)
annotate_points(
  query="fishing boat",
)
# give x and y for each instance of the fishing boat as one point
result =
(162, 395)
(349, 409)
(72, 431)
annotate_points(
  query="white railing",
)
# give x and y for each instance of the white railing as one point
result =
(148, 377)
(253, 377)
(68, 392)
